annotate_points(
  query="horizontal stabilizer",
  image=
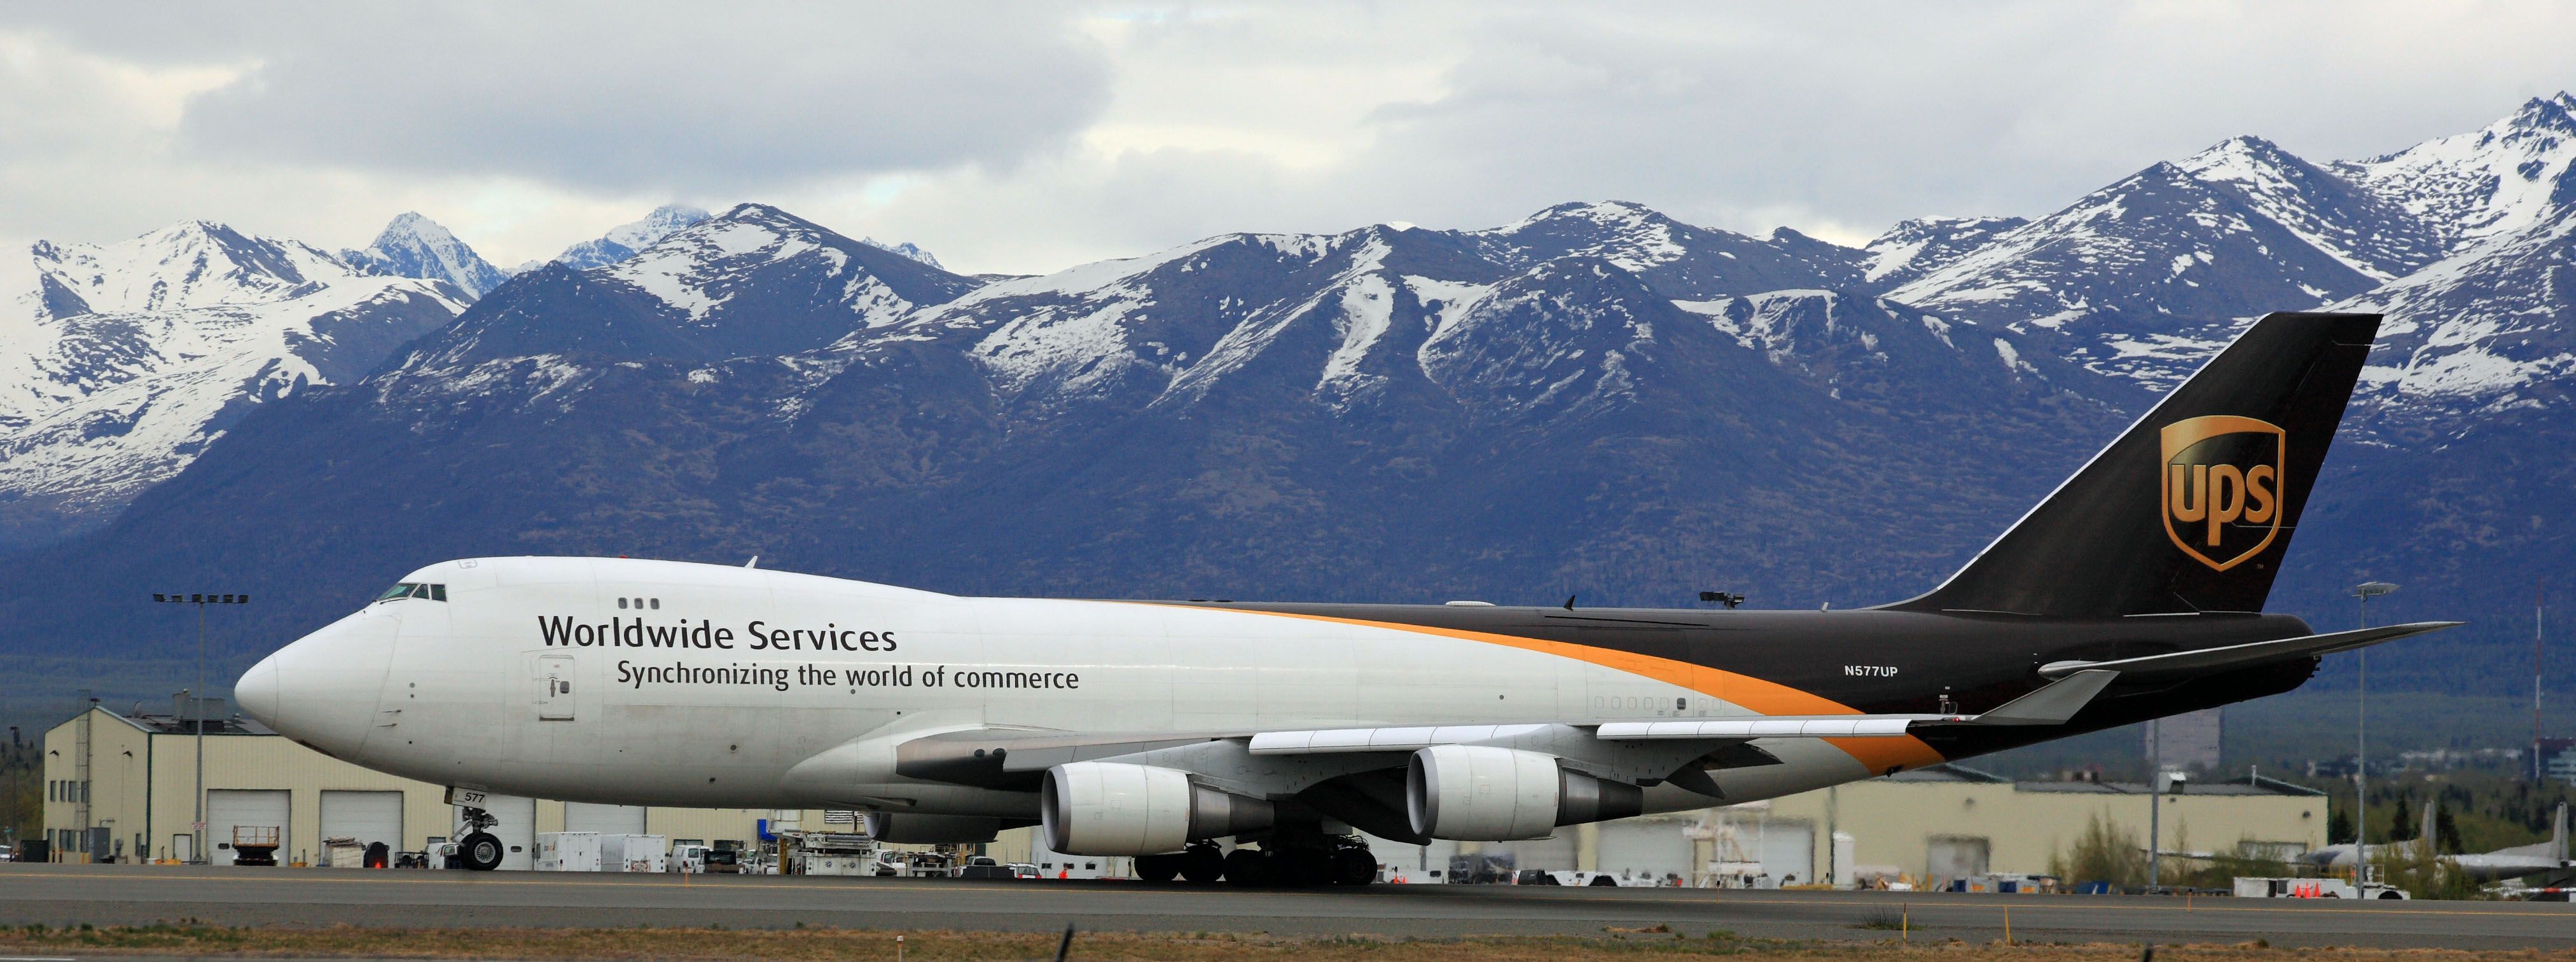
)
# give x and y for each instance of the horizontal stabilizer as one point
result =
(1760, 726)
(2053, 704)
(2246, 655)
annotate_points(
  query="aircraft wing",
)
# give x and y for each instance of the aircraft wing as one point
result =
(2246, 655)
(2052, 704)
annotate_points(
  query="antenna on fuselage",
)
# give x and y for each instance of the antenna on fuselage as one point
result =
(1569, 600)
(753, 563)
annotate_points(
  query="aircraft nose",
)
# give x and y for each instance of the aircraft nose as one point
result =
(256, 692)
(322, 689)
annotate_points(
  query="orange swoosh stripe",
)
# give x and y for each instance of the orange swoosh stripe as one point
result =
(1879, 755)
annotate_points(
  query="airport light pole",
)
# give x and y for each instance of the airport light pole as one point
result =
(197, 705)
(2361, 740)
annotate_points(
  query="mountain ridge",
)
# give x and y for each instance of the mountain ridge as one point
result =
(1596, 397)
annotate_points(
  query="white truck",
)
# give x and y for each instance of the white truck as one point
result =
(2256, 887)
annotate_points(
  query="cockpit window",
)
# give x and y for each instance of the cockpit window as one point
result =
(411, 589)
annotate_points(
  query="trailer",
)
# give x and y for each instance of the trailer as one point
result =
(835, 853)
(567, 852)
(256, 844)
(633, 853)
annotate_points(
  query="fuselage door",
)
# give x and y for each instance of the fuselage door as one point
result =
(554, 688)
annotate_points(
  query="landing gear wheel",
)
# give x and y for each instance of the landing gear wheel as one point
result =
(481, 851)
(1354, 866)
(1202, 864)
(1158, 868)
(1248, 867)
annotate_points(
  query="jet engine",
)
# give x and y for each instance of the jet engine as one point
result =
(1115, 808)
(912, 828)
(1484, 793)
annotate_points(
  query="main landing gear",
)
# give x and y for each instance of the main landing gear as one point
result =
(1283, 861)
(479, 849)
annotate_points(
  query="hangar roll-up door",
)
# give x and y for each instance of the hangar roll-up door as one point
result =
(517, 831)
(604, 819)
(1956, 856)
(1653, 848)
(369, 817)
(1788, 851)
(231, 808)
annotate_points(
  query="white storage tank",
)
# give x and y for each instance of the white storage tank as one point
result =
(568, 851)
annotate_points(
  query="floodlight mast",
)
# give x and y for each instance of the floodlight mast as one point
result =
(2361, 739)
(196, 703)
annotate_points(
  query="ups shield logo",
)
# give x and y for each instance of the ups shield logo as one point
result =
(2222, 487)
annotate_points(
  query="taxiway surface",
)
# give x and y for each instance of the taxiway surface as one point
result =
(125, 895)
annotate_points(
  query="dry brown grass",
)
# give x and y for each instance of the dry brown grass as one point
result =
(933, 946)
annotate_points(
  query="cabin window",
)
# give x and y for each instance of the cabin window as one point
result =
(621, 604)
(657, 604)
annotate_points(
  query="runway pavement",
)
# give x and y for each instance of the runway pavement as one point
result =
(131, 894)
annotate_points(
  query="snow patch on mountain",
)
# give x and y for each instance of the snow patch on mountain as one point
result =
(907, 249)
(2364, 232)
(2496, 182)
(190, 328)
(624, 240)
(194, 264)
(1917, 247)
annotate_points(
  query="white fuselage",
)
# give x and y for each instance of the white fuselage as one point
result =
(721, 686)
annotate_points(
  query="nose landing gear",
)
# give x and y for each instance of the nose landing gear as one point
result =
(479, 849)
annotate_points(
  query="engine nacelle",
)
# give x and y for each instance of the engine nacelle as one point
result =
(1489, 794)
(1116, 808)
(913, 828)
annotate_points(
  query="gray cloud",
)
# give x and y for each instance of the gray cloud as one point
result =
(617, 96)
(1012, 138)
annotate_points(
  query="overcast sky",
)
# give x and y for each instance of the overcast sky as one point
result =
(1029, 138)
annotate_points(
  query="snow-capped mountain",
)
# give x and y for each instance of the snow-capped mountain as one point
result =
(195, 264)
(1598, 397)
(758, 280)
(2368, 233)
(1917, 247)
(2498, 182)
(1678, 259)
(416, 246)
(907, 249)
(2148, 276)
(133, 356)
(1380, 396)
(622, 241)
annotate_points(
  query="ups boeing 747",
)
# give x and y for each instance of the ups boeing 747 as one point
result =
(1157, 729)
